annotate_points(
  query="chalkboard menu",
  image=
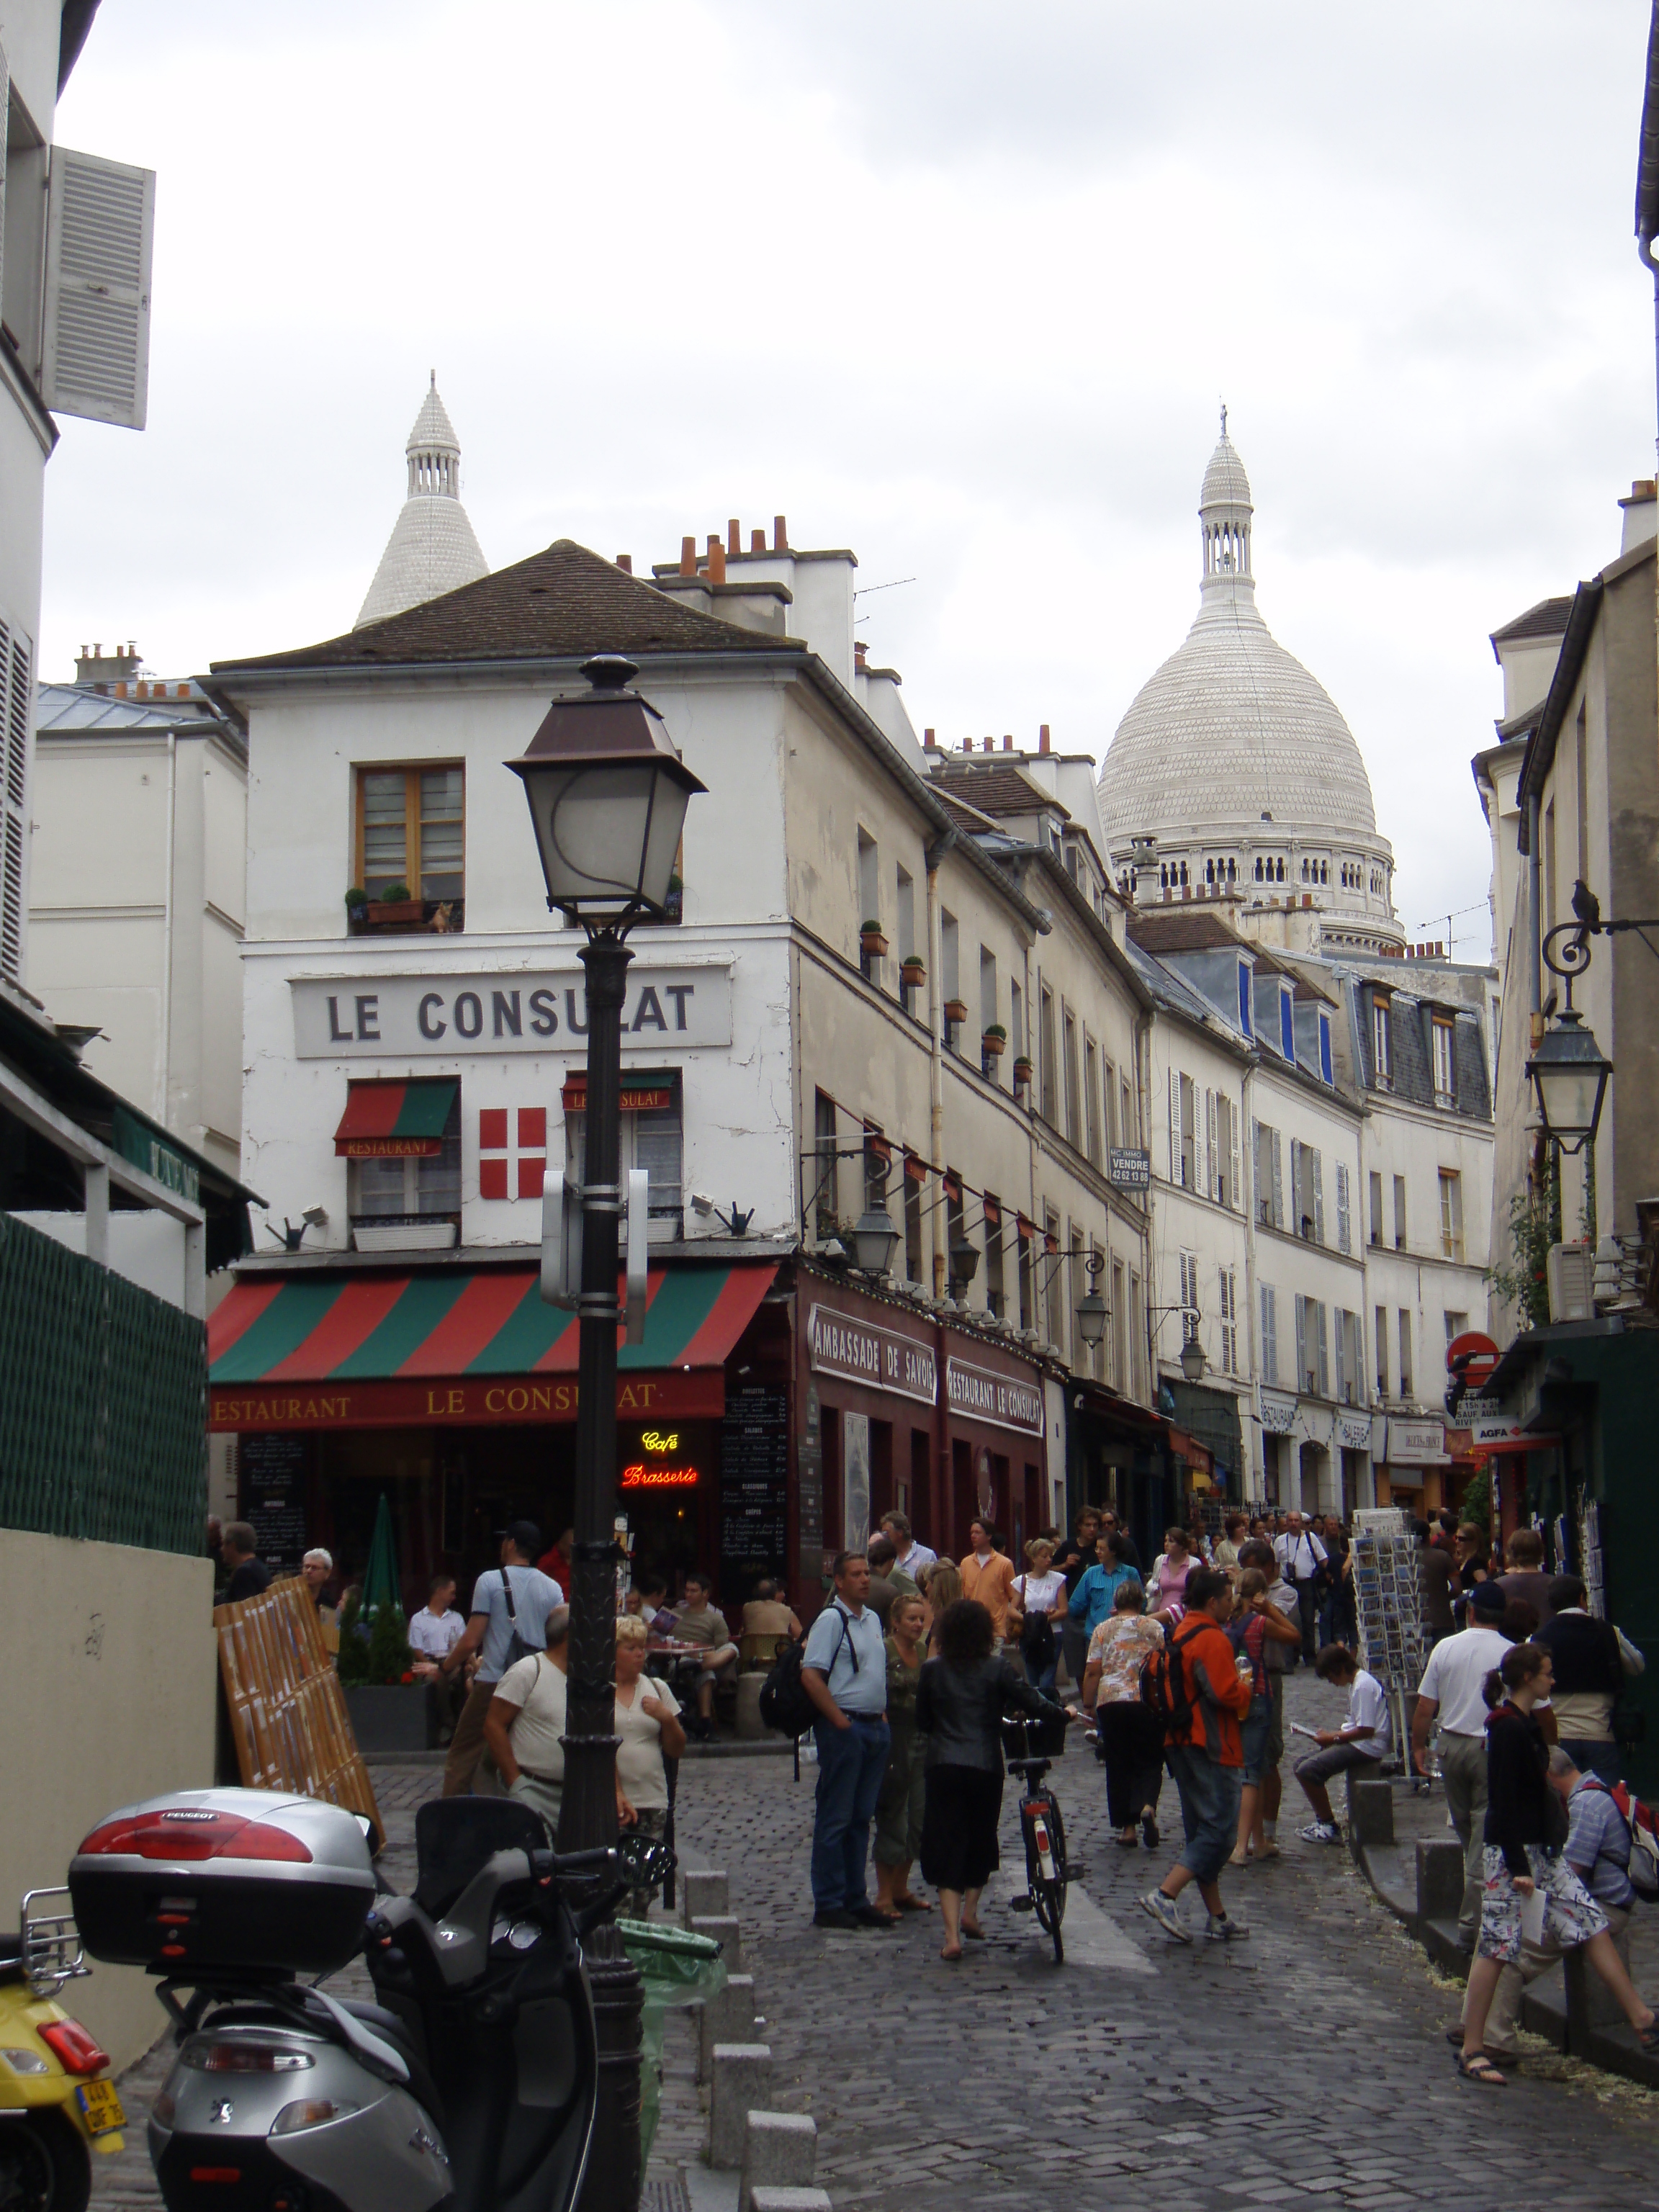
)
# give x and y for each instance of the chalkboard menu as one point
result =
(754, 1492)
(273, 1471)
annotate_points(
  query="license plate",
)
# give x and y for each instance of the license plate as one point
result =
(100, 2107)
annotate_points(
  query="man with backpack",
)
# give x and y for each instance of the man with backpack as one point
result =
(1195, 1686)
(843, 1671)
(507, 1622)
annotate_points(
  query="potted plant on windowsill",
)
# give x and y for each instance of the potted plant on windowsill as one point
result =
(994, 1041)
(912, 971)
(395, 907)
(956, 1009)
(1023, 1071)
(871, 943)
(356, 905)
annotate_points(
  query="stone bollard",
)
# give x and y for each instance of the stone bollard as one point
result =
(1370, 1812)
(780, 2151)
(1439, 1879)
(740, 2079)
(704, 1890)
(751, 1728)
(790, 2200)
(727, 2017)
(724, 1927)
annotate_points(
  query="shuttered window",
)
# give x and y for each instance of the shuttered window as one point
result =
(1344, 1221)
(101, 219)
(15, 671)
(1269, 1334)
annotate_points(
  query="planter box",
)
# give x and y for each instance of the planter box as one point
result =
(873, 947)
(956, 1009)
(995, 1045)
(397, 912)
(404, 1236)
(388, 1719)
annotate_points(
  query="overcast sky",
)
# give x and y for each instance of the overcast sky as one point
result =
(959, 285)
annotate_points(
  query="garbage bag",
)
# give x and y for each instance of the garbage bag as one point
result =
(678, 1968)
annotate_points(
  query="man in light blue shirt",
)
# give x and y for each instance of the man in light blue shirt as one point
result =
(511, 1599)
(1096, 1594)
(844, 1672)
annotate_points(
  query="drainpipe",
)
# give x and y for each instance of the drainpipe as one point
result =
(936, 853)
(1534, 942)
(1143, 1100)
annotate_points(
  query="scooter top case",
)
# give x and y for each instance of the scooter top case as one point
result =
(217, 1879)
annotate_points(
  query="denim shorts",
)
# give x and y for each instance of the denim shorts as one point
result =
(1257, 1732)
(1209, 1809)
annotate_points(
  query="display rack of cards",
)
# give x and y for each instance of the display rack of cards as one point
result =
(1589, 1555)
(1389, 1601)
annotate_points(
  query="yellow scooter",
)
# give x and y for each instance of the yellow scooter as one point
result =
(54, 2102)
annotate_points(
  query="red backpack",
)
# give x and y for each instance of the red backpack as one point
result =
(1638, 1818)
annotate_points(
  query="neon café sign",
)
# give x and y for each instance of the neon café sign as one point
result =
(641, 1476)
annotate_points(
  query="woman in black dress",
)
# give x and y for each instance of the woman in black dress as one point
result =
(960, 1700)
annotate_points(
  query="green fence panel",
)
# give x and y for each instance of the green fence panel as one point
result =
(103, 1402)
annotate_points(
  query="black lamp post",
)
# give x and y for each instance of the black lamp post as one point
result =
(1092, 1311)
(607, 795)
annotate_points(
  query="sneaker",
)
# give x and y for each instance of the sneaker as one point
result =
(1163, 1909)
(1320, 1832)
(834, 1916)
(1221, 1927)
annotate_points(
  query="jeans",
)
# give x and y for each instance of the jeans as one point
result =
(851, 1764)
(1463, 1772)
(1209, 1809)
(1593, 1755)
(1307, 1604)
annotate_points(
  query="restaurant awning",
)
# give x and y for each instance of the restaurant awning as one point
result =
(373, 1350)
(395, 1120)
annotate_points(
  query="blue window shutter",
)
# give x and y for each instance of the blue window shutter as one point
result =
(1244, 1000)
(1286, 1026)
(1325, 1047)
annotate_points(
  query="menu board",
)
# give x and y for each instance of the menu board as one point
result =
(754, 1530)
(272, 1473)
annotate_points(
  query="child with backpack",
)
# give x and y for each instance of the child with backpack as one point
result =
(1196, 1689)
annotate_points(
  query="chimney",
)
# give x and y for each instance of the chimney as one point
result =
(1043, 739)
(967, 745)
(930, 741)
(758, 541)
(1008, 744)
(1307, 898)
(716, 558)
(625, 562)
(734, 538)
(688, 556)
(780, 534)
(860, 651)
(183, 690)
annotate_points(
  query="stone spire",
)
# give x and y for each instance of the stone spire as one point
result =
(1223, 514)
(432, 549)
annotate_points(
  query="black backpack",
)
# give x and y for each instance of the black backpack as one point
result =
(784, 1704)
(1164, 1688)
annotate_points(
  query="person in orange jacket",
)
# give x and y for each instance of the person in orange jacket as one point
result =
(1206, 1756)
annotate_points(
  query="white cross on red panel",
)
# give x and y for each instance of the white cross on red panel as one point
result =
(512, 1170)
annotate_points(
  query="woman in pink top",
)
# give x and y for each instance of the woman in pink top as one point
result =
(1170, 1573)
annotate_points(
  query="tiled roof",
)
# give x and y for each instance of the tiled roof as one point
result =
(1547, 619)
(560, 603)
(1001, 788)
(1181, 929)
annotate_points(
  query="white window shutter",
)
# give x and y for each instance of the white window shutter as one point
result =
(101, 222)
(1339, 1349)
(1324, 1357)
(15, 691)
(1344, 1220)
(1233, 1190)
(1269, 1335)
(1212, 1160)
(1319, 1197)
(1174, 1127)
(1279, 1180)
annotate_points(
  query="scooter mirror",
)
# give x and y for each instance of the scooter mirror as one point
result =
(643, 1861)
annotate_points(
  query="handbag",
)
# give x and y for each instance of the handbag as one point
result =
(517, 1648)
(1037, 1635)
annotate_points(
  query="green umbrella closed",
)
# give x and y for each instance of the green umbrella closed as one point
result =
(380, 1575)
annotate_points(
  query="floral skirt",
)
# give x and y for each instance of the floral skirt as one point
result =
(1572, 1915)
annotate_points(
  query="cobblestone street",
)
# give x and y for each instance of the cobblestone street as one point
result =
(1307, 2067)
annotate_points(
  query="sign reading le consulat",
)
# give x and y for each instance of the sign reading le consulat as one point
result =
(518, 1009)
(880, 1358)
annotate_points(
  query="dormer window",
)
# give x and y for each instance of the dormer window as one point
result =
(1326, 1071)
(1286, 1023)
(1245, 1021)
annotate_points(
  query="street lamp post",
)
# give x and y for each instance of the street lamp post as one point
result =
(1568, 1069)
(607, 795)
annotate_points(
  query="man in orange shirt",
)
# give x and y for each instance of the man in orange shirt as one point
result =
(988, 1576)
(1206, 1751)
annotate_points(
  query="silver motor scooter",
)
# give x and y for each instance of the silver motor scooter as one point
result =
(469, 2085)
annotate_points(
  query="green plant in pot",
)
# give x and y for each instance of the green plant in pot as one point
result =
(395, 895)
(870, 940)
(995, 1039)
(356, 899)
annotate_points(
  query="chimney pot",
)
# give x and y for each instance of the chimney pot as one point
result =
(688, 556)
(930, 741)
(1042, 737)
(758, 541)
(97, 652)
(1008, 744)
(860, 651)
(625, 562)
(734, 538)
(716, 558)
(183, 690)
(967, 745)
(780, 534)
(120, 690)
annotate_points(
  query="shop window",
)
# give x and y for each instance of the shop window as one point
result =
(402, 1181)
(652, 1138)
(411, 839)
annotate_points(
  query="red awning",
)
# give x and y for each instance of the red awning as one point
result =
(394, 1121)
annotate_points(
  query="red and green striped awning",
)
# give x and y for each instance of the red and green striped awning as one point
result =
(395, 1120)
(373, 1350)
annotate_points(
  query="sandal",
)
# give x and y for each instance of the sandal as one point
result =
(975, 1932)
(1476, 2067)
(911, 1903)
(1238, 1858)
(1648, 2038)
